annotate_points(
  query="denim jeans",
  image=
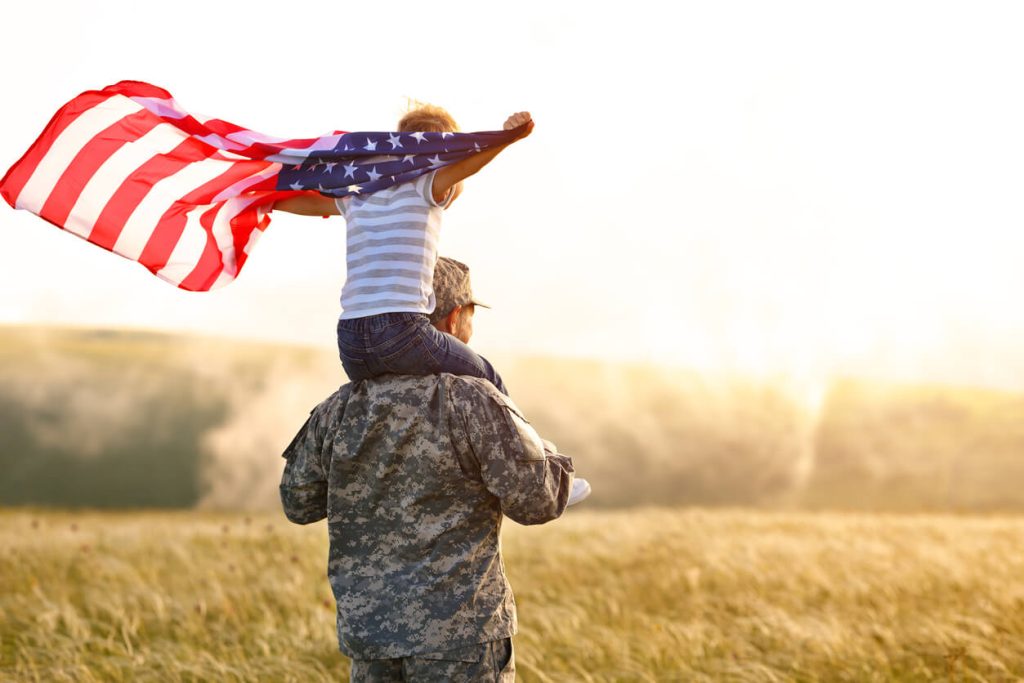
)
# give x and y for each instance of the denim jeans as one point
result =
(406, 344)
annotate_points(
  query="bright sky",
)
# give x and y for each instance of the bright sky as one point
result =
(758, 187)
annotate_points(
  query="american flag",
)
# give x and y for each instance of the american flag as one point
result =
(129, 170)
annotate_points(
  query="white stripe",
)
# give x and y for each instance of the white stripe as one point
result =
(375, 219)
(161, 197)
(222, 230)
(358, 283)
(254, 237)
(114, 171)
(409, 266)
(189, 249)
(69, 143)
(244, 184)
(364, 311)
(349, 301)
(366, 211)
(233, 156)
(186, 252)
(162, 106)
(390, 197)
(219, 142)
(248, 137)
(410, 250)
(319, 144)
(428, 237)
(224, 278)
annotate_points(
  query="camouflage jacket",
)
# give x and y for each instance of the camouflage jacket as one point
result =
(413, 475)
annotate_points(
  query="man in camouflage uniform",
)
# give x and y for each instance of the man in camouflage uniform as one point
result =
(414, 475)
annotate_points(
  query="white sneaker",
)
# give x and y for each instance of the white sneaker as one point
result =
(580, 491)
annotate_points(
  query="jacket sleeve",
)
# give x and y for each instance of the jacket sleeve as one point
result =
(304, 482)
(532, 483)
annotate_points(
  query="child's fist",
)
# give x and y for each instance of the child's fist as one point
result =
(518, 119)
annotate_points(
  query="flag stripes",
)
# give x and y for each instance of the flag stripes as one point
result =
(129, 170)
(116, 171)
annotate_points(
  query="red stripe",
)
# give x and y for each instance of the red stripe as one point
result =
(136, 186)
(270, 184)
(240, 256)
(74, 178)
(137, 89)
(221, 127)
(18, 175)
(242, 227)
(193, 126)
(168, 231)
(210, 263)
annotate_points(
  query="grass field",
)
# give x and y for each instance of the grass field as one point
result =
(643, 595)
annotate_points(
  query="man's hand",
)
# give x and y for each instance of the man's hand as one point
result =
(518, 119)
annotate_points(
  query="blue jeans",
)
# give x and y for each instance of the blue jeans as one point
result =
(406, 344)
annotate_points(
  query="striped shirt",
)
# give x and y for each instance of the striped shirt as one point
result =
(391, 249)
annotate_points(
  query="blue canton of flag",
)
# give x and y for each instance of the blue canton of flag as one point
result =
(364, 163)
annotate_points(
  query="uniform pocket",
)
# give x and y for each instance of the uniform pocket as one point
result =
(468, 653)
(532, 446)
(506, 661)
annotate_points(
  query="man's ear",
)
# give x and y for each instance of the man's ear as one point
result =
(451, 321)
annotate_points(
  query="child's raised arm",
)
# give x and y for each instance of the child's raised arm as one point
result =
(448, 177)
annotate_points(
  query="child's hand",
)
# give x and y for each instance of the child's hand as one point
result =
(518, 119)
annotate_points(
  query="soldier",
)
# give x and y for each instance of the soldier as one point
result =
(414, 474)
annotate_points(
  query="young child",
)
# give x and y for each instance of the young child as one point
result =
(391, 255)
(391, 251)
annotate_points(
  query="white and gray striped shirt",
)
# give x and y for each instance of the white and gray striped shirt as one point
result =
(391, 249)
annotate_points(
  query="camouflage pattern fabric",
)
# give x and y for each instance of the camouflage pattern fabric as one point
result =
(452, 288)
(493, 661)
(413, 475)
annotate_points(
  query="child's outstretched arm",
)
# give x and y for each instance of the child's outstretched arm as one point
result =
(308, 205)
(448, 177)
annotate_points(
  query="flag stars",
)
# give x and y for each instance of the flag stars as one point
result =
(371, 145)
(420, 137)
(354, 189)
(350, 170)
(296, 185)
(395, 140)
(411, 158)
(435, 161)
(330, 166)
(373, 175)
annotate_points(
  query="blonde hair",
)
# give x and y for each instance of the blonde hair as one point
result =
(427, 118)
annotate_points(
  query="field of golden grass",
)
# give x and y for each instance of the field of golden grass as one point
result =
(641, 595)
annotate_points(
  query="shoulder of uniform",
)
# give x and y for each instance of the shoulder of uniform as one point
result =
(475, 393)
(331, 408)
(469, 388)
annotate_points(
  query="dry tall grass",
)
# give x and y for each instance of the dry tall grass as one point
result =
(651, 595)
